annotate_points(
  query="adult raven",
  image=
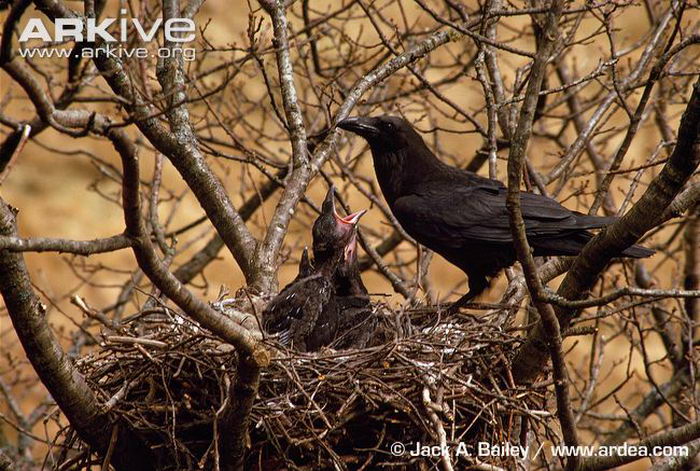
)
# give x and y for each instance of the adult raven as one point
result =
(306, 312)
(460, 215)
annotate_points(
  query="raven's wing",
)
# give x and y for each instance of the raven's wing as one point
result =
(450, 215)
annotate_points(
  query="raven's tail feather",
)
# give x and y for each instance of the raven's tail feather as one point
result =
(593, 222)
(587, 221)
(573, 244)
(637, 251)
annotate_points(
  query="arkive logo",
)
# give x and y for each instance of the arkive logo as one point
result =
(79, 29)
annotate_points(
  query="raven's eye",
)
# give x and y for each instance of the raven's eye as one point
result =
(390, 126)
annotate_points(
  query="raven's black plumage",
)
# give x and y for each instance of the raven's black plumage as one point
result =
(306, 313)
(460, 215)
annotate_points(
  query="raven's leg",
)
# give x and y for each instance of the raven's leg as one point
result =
(461, 302)
(477, 284)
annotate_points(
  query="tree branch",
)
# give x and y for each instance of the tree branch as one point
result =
(204, 257)
(252, 355)
(676, 436)
(77, 247)
(301, 172)
(55, 369)
(145, 252)
(650, 403)
(516, 158)
(611, 241)
(181, 150)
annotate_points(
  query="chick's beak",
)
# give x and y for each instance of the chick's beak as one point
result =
(350, 219)
(329, 199)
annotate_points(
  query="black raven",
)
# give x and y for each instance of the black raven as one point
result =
(306, 313)
(460, 215)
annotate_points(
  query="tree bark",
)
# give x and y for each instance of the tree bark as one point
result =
(55, 369)
(531, 358)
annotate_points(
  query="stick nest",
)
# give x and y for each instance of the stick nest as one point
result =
(426, 378)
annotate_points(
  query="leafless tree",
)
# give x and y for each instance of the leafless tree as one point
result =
(595, 104)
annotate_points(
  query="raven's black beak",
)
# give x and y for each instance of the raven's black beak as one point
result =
(362, 126)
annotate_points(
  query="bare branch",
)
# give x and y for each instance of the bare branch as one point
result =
(145, 253)
(77, 247)
(643, 216)
(66, 385)
(516, 157)
(301, 171)
(677, 436)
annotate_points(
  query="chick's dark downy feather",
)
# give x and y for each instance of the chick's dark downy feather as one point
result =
(460, 215)
(295, 312)
(357, 321)
(305, 314)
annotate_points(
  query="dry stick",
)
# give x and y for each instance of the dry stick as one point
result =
(137, 340)
(585, 135)
(559, 265)
(636, 119)
(673, 437)
(596, 159)
(94, 313)
(43, 103)
(491, 113)
(209, 252)
(664, 329)
(678, 462)
(691, 275)
(596, 359)
(23, 440)
(21, 74)
(4, 172)
(550, 36)
(682, 203)
(5, 462)
(625, 291)
(416, 72)
(154, 221)
(297, 181)
(77, 247)
(691, 314)
(252, 356)
(431, 407)
(145, 253)
(499, 95)
(112, 444)
(464, 29)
